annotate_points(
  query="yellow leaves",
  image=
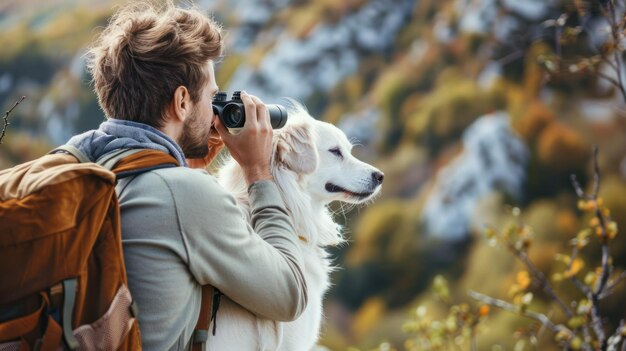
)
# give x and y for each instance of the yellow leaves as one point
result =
(451, 324)
(514, 236)
(483, 310)
(590, 279)
(520, 297)
(525, 238)
(574, 268)
(576, 343)
(599, 232)
(563, 258)
(582, 239)
(563, 334)
(584, 307)
(600, 223)
(576, 322)
(587, 205)
(523, 279)
(420, 323)
(432, 330)
(611, 229)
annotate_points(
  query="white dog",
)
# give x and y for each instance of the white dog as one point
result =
(313, 166)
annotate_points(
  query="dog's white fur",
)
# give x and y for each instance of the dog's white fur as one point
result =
(313, 166)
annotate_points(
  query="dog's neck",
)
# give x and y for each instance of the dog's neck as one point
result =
(311, 218)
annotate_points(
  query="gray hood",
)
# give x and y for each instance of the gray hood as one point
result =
(116, 134)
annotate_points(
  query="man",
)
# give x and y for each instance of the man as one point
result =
(154, 77)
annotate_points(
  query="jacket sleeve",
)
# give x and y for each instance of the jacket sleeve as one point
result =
(260, 268)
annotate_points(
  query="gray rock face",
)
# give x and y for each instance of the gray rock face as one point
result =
(361, 127)
(299, 67)
(484, 16)
(493, 159)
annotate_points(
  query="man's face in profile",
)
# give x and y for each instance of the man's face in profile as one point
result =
(198, 127)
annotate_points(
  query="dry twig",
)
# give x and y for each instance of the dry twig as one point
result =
(6, 118)
(617, 338)
(602, 288)
(540, 317)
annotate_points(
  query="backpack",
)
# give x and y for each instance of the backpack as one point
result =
(62, 276)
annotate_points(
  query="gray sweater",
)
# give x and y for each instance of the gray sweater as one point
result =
(181, 230)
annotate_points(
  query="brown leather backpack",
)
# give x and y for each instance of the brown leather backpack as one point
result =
(62, 277)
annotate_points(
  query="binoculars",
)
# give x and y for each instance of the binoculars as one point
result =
(233, 114)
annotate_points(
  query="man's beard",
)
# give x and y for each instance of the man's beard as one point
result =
(194, 139)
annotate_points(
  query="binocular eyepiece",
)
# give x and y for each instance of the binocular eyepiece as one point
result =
(233, 114)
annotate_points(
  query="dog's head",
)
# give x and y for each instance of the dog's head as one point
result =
(320, 155)
(312, 165)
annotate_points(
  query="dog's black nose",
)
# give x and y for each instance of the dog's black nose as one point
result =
(378, 177)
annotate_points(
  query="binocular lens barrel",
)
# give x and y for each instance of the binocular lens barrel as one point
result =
(233, 114)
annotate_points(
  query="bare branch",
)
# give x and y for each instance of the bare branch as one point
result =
(547, 288)
(614, 82)
(577, 187)
(610, 14)
(507, 306)
(616, 338)
(608, 290)
(596, 172)
(6, 118)
(594, 295)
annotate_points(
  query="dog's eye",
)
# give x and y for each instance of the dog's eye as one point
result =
(335, 151)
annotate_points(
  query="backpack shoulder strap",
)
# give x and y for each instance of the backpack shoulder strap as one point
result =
(109, 160)
(80, 156)
(133, 162)
(208, 312)
(125, 162)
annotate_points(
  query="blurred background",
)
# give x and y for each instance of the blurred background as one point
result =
(477, 111)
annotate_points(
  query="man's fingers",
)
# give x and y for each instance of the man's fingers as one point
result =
(250, 107)
(221, 130)
(263, 116)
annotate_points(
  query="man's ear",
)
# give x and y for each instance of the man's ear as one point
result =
(180, 107)
(295, 149)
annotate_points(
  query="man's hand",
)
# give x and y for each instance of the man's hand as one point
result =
(215, 146)
(252, 146)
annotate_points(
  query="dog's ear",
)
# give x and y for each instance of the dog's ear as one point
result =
(295, 149)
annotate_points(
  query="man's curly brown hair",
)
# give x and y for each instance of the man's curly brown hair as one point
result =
(145, 53)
